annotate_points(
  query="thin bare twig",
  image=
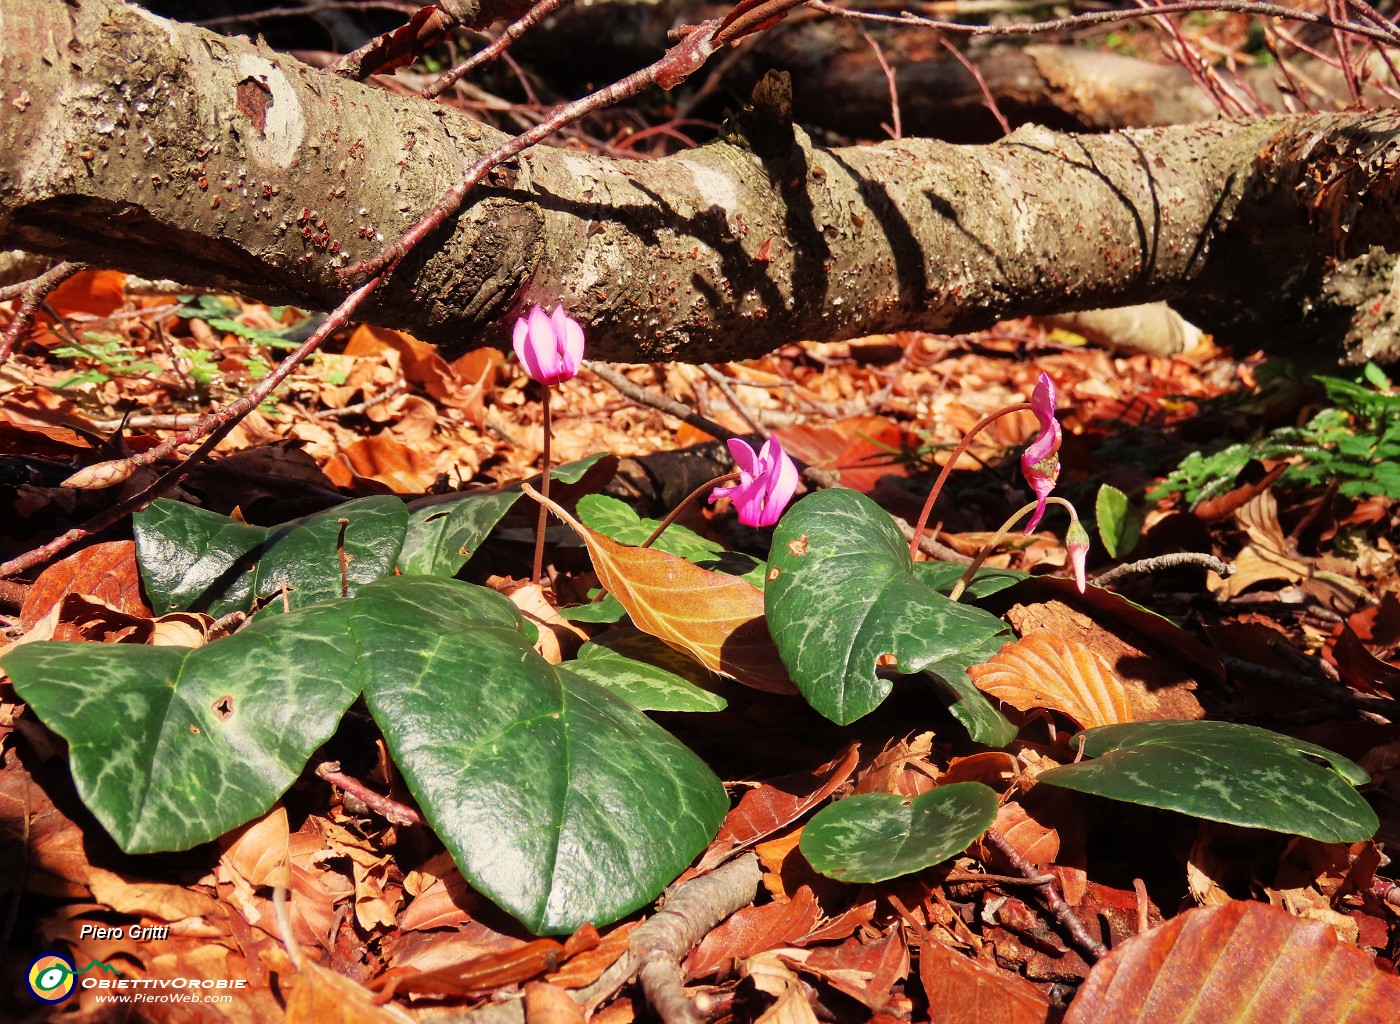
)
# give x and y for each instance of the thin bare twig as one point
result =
(386, 807)
(896, 126)
(720, 381)
(647, 397)
(513, 31)
(1077, 21)
(987, 97)
(1159, 563)
(34, 292)
(1050, 895)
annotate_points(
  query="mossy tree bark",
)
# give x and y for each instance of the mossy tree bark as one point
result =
(162, 149)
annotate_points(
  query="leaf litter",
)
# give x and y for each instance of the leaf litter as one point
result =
(1309, 617)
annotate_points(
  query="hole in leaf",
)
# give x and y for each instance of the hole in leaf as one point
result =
(223, 707)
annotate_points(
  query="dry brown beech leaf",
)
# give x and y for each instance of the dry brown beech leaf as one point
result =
(1043, 670)
(715, 618)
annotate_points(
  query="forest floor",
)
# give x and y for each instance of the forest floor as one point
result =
(1304, 638)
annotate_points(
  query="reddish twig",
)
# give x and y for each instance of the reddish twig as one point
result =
(674, 67)
(967, 439)
(34, 292)
(213, 427)
(987, 97)
(1050, 895)
(896, 126)
(384, 806)
(1078, 21)
(513, 31)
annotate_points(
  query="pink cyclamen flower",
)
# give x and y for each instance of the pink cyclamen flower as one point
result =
(1040, 462)
(1077, 544)
(766, 484)
(550, 347)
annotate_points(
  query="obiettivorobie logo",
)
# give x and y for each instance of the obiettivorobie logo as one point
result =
(51, 976)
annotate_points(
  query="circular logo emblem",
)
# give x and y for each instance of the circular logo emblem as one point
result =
(51, 978)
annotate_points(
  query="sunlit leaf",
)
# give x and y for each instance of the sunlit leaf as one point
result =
(1044, 670)
(715, 618)
(874, 836)
(843, 594)
(1226, 772)
(196, 560)
(1239, 963)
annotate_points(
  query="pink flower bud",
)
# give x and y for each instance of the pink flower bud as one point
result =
(550, 347)
(1077, 544)
(766, 484)
(1040, 462)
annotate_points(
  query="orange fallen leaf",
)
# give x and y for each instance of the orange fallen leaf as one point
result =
(754, 930)
(105, 571)
(715, 618)
(962, 991)
(1043, 670)
(324, 997)
(550, 1004)
(1240, 963)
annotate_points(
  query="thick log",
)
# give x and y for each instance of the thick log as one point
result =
(133, 141)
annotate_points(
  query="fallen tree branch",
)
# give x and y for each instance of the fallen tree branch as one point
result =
(231, 166)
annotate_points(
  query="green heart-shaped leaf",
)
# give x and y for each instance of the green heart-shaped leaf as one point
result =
(559, 801)
(874, 836)
(444, 532)
(192, 559)
(1226, 772)
(842, 592)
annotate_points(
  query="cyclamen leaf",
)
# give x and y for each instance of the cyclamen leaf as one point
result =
(871, 837)
(1222, 771)
(196, 560)
(843, 593)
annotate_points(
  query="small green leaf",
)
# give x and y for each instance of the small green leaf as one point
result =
(604, 610)
(1226, 772)
(942, 576)
(843, 592)
(643, 684)
(1120, 524)
(618, 520)
(192, 559)
(872, 837)
(444, 532)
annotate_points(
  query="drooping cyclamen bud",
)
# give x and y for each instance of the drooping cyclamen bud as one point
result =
(1040, 462)
(1077, 544)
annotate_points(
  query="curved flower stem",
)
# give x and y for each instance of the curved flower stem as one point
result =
(1006, 528)
(538, 569)
(977, 428)
(671, 518)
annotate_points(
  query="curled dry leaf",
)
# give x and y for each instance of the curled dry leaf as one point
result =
(715, 618)
(1043, 670)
